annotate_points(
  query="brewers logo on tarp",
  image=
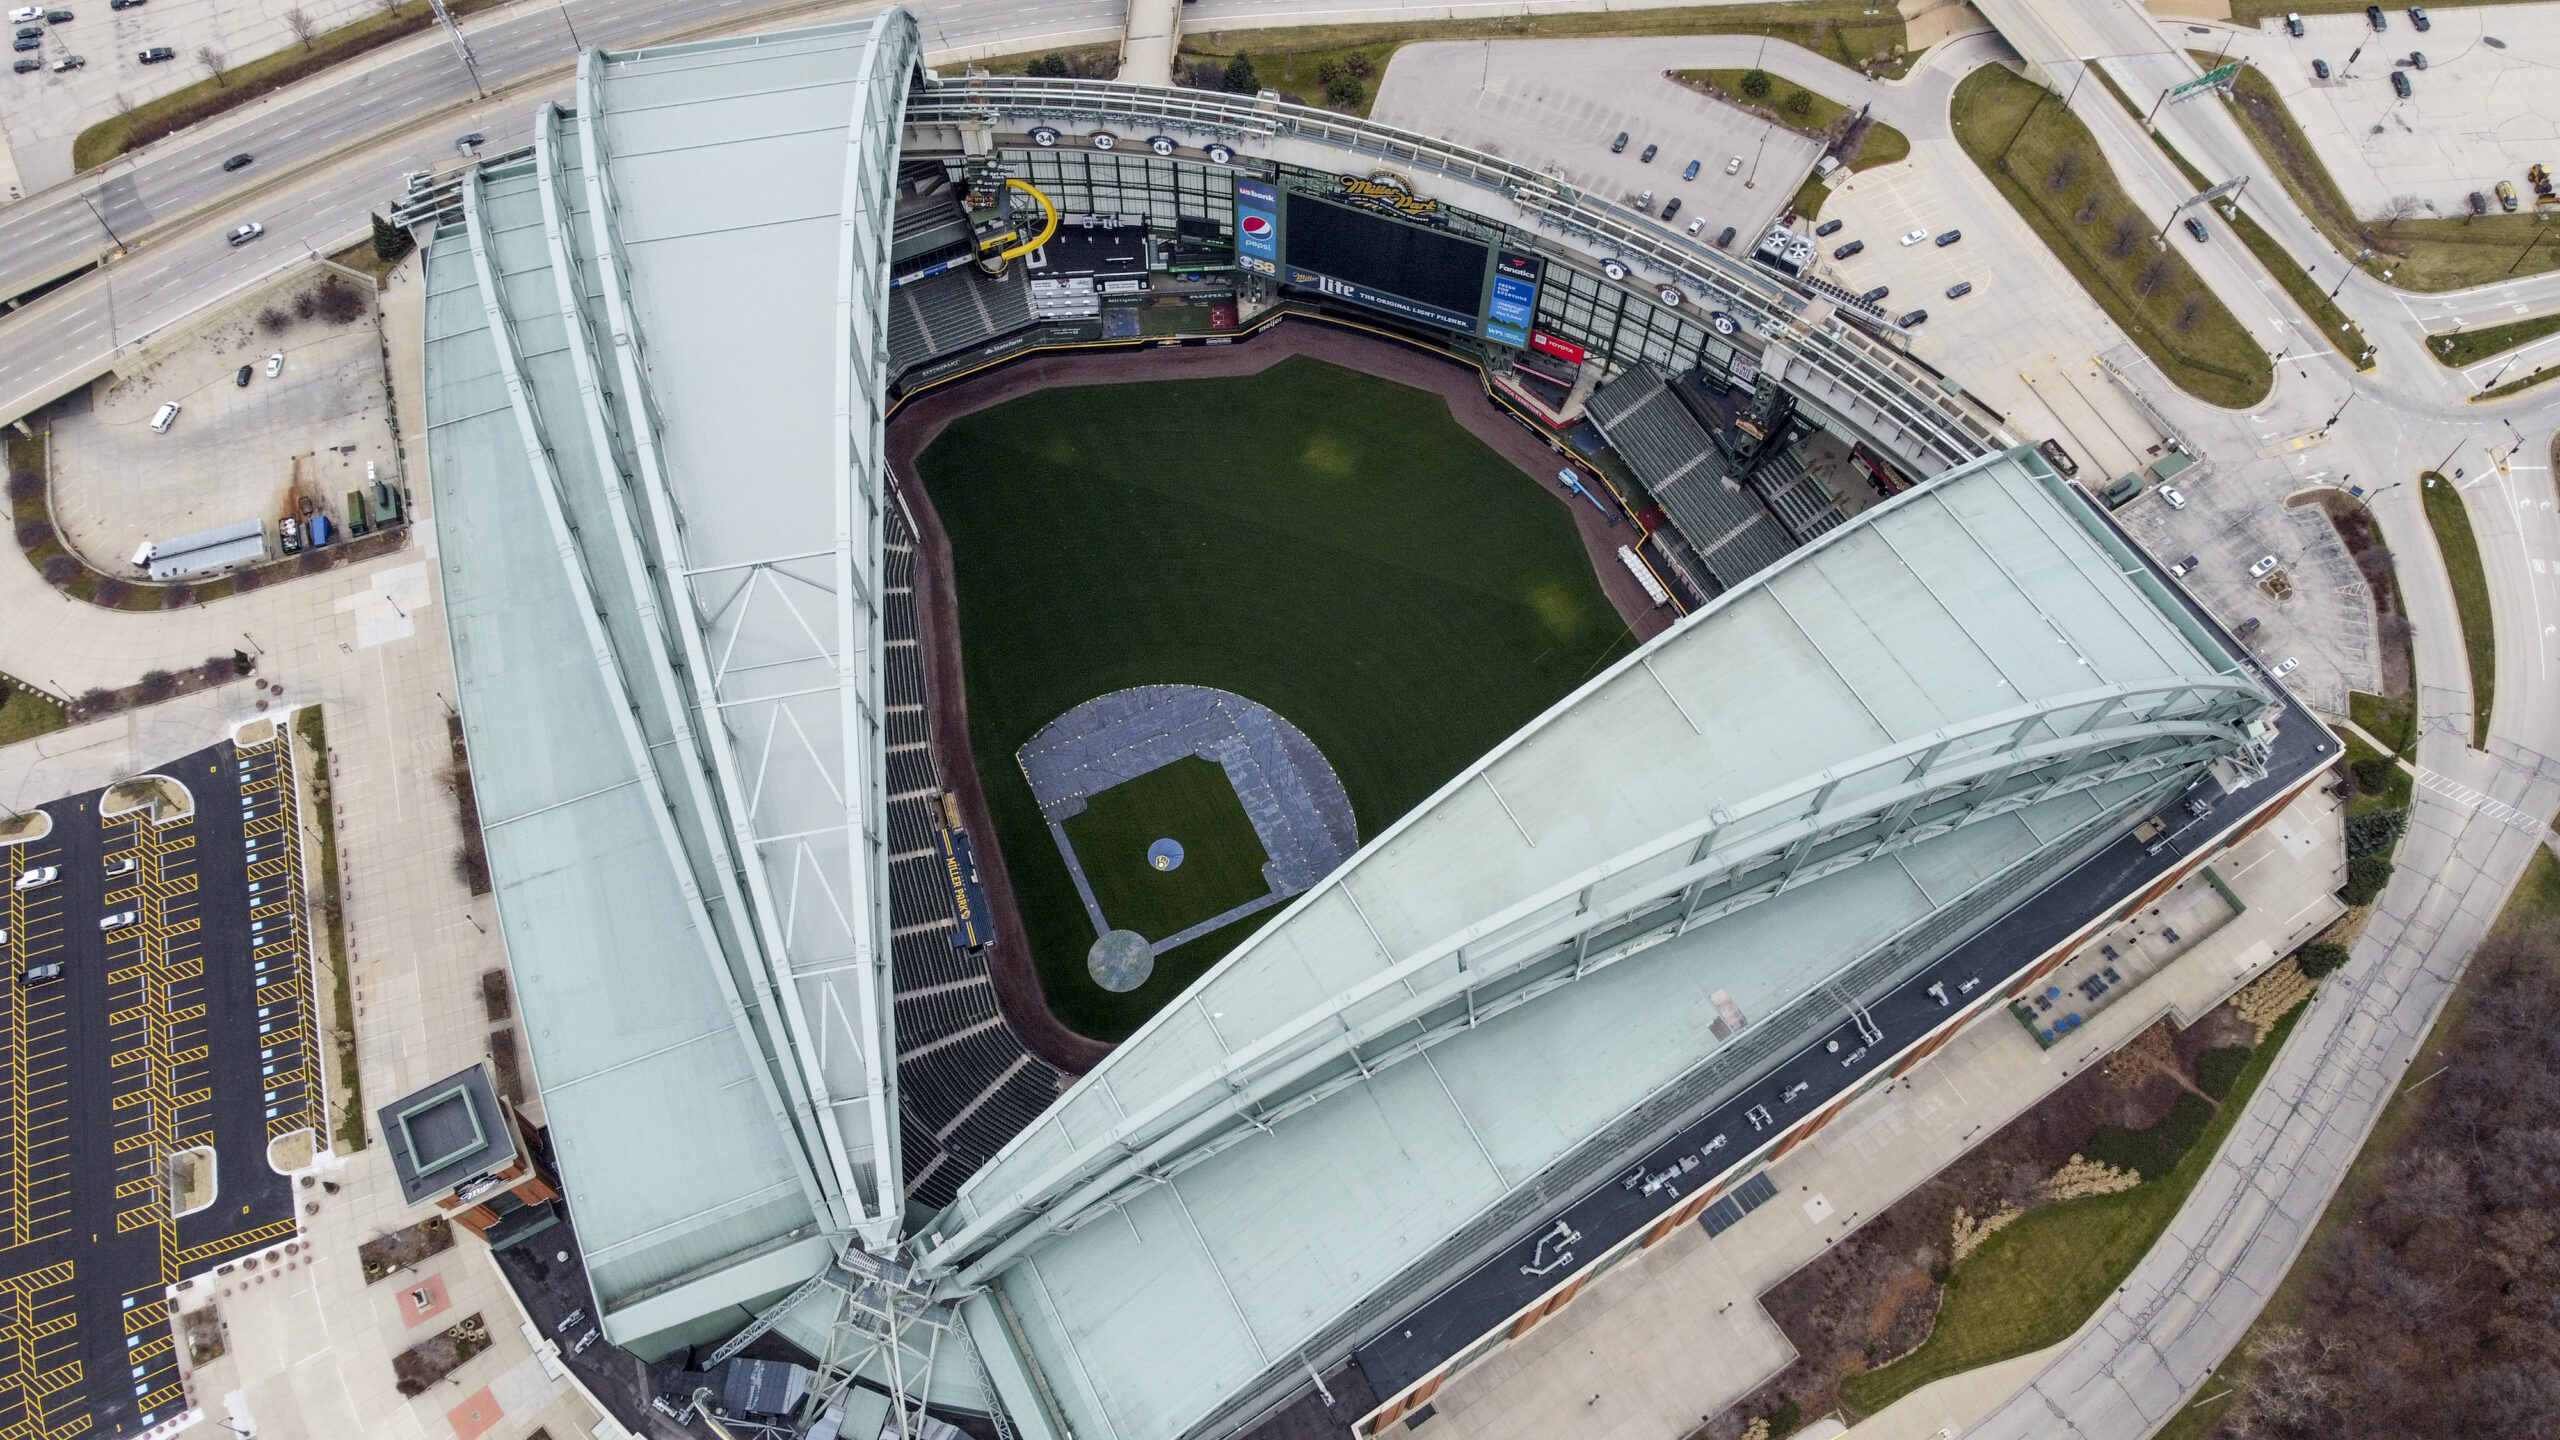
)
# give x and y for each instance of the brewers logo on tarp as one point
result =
(1388, 191)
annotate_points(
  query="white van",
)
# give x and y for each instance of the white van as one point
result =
(166, 416)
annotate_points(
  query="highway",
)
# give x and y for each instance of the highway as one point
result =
(321, 169)
(522, 52)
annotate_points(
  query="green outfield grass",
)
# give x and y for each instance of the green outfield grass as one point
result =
(1331, 545)
(1188, 801)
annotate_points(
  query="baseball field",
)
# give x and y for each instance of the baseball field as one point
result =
(1332, 545)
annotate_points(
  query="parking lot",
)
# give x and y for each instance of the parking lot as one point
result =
(2313, 608)
(234, 452)
(42, 113)
(2479, 113)
(142, 1087)
(1512, 100)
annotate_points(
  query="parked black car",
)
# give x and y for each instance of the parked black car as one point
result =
(1852, 248)
(2373, 17)
(1829, 227)
(2418, 17)
(2400, 83)
(1960, 289)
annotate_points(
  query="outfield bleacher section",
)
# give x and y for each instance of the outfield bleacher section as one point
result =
(954, 311)
(966, 1084)
(1797, 499)
(1684, 470)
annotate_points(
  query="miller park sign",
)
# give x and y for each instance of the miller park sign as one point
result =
(1388, 191)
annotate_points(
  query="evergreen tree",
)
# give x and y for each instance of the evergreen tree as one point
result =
(390, 242)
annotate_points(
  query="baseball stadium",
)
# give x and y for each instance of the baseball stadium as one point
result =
(1140, 749)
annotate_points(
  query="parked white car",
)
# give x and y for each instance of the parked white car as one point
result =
(1915, 237)
(275, 365)
(2259, 570)
(2175, 499)
(39, 876)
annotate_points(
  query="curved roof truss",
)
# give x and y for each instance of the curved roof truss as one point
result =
(1732, 858)
(770, 650)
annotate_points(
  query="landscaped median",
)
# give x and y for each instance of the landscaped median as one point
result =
(1792, 105)
(2462, 349)
(2334, 322)
(2050, 169)
(2462, 566)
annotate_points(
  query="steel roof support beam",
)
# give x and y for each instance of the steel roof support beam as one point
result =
(761, 933)
(1413, 986)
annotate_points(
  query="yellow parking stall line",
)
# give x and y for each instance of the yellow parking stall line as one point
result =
(261, 1237)
(149, 1313)
(35, 1307)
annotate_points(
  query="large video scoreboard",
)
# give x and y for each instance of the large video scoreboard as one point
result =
(1374, 243)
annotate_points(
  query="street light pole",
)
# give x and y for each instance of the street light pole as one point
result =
(575, 44)
(91, 202)
(2341, 410)
(2528, 246)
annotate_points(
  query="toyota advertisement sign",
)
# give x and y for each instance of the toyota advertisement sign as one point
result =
(1258, 227)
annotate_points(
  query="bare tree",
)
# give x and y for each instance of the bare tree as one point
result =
(2401, 208)
(299, 21)
(213, 62)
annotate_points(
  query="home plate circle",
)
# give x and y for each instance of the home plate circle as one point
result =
(1120, 961)
(1165, 854)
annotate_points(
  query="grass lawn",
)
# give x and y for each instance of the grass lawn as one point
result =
(1855, 35)
(2393, 722)
(1809, 198)
(2395, 796)
(1331, 545)
(2421, 254)
(2461, 348)
(2536, 898)
(2035, 1282)
(1190, 802)
(1081, 60)
(23, 715)
(2048, 166)
(2461, 552)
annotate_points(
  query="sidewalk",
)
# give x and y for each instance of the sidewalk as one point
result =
(1656, 1347)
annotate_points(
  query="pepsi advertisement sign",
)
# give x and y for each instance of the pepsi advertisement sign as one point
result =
(1258, 227)
(1515, 299)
